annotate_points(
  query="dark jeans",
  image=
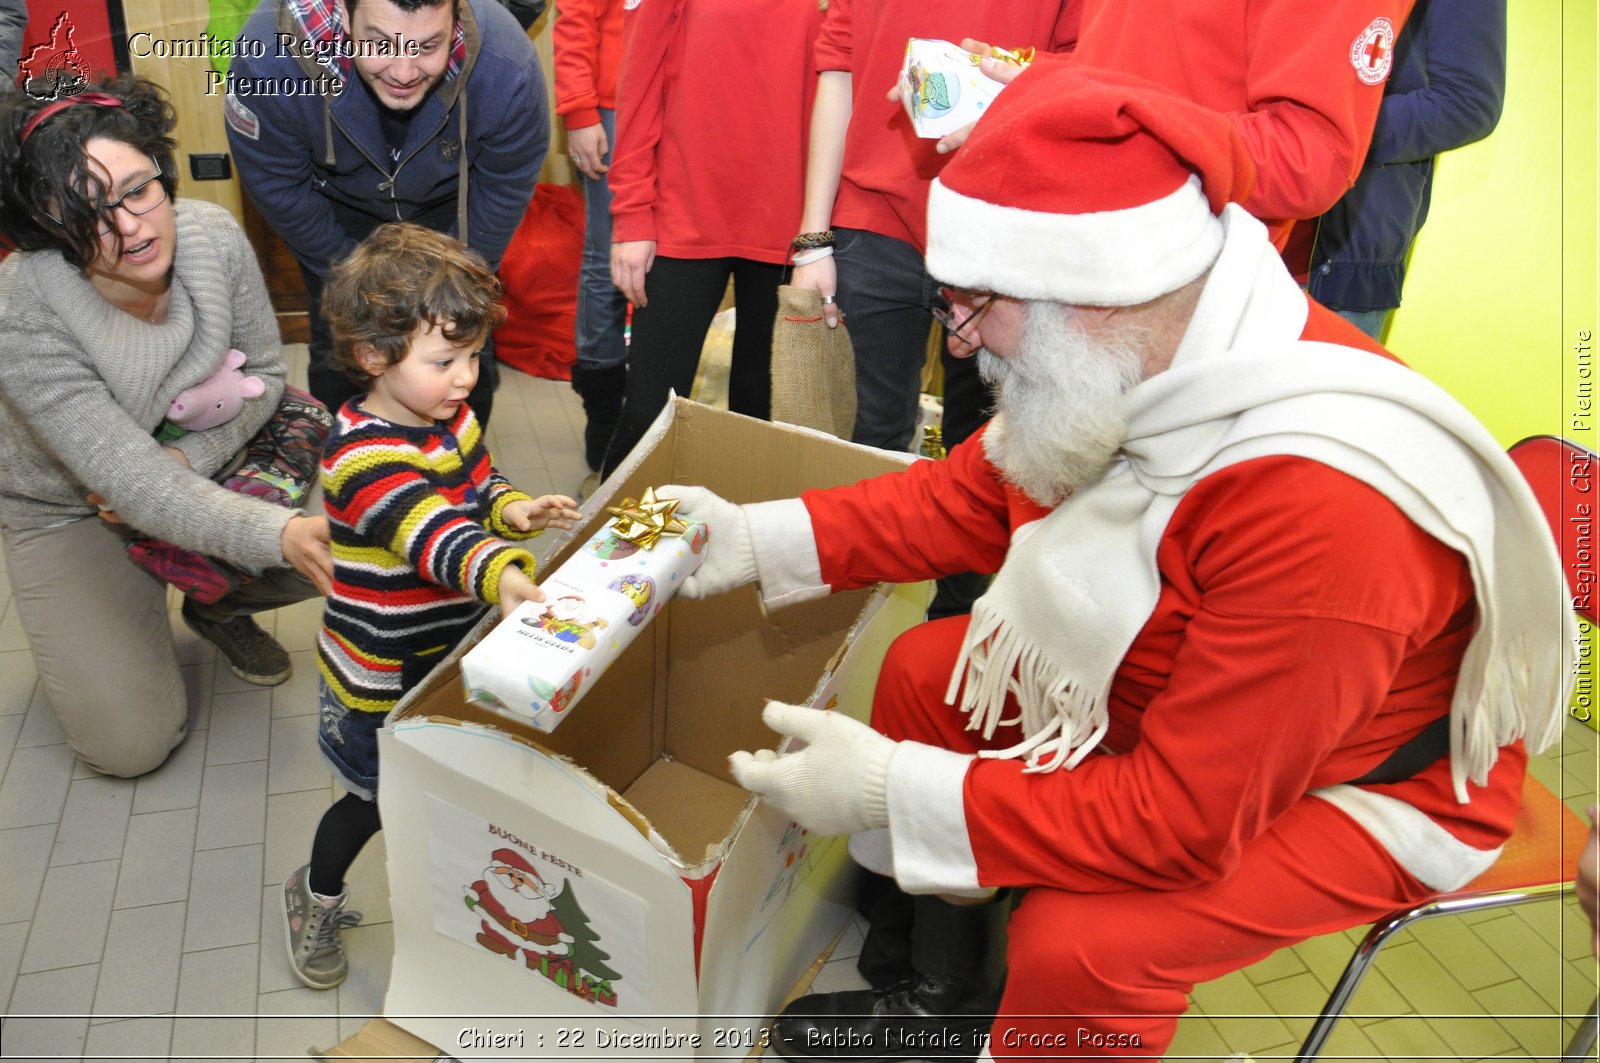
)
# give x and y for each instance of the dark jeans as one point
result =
(601, 304)
(887, 298)
(887, 295)
(273, 589)
(670, 331)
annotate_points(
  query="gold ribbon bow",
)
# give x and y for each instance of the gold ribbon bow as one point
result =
(643, 521)
(1014, 56)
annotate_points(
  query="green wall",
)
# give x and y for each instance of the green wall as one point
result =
(1503, 277)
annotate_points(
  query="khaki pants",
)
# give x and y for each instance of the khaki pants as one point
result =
(102, 640)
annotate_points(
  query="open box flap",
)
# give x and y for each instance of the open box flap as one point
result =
(490, 799)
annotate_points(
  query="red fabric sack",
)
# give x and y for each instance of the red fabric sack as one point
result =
(540, 276)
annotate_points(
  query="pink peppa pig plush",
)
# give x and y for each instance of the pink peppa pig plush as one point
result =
(218, 398)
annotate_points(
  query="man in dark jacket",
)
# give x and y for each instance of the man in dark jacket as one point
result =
(345, 114)
(1446, 91)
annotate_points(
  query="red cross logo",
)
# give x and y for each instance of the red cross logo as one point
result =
(1372, 52)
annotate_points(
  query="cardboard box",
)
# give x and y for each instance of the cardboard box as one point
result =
(607, 890)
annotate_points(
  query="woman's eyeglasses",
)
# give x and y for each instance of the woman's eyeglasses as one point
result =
(142, 198)
(946, 315)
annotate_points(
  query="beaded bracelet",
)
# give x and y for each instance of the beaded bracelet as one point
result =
(812, 241)
(816, 254)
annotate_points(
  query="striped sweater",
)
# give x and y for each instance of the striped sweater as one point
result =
(418, 546)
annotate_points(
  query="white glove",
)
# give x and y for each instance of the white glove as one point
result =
(730, 558)
(837, 784)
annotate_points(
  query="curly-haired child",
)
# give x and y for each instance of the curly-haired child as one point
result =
(424, 529)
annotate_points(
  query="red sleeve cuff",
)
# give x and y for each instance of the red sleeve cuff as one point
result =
(581, 118)
(633, 225)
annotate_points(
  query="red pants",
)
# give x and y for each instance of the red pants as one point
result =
(1106, 975)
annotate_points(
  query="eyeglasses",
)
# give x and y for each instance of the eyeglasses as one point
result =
(946, 316)
(142, 198)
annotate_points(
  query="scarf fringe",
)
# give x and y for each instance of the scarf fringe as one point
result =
(1517, 700)
(1062, 721)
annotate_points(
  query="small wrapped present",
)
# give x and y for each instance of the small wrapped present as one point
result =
(942, 87)
(541, 659)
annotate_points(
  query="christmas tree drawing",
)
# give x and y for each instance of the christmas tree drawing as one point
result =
(586, 957)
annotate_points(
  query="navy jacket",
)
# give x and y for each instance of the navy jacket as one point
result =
(317, 165)
(1445, 90)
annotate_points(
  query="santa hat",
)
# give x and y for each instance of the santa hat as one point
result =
(513, 859)
(1088, 187)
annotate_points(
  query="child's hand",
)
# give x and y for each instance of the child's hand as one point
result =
(516, 588)
(546, 511)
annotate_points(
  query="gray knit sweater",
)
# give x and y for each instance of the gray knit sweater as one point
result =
(83, 385)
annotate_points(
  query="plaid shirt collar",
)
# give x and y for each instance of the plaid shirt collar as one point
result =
(319, 20)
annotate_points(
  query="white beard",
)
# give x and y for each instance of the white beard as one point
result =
(1061, 394)
(527, 907)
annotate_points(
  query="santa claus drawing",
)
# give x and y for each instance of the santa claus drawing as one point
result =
(516, 907)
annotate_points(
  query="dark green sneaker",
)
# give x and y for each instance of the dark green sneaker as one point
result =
(251, 653)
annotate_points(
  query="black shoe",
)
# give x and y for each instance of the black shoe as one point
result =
(251, 653)
(927, 1018)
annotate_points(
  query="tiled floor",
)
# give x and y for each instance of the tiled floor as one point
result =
(138, 918)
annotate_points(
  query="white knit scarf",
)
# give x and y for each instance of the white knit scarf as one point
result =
(1078, 585)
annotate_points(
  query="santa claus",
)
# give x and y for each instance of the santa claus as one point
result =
(1297, 588)
(516, 905)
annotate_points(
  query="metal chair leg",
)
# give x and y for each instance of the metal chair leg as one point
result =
(1349, 981)
(1581, 1048)
(1379, 935)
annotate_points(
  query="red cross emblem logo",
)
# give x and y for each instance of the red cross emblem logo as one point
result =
(1372, 52)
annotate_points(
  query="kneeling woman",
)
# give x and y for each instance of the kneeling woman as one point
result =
(119, 300)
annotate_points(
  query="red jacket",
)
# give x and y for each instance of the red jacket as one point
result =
(587, 36)
(713, 112)
(1303, 81)
(883, 187)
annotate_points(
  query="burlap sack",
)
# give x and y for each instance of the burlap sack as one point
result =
(813, 367)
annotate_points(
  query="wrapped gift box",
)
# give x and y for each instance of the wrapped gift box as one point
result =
(661, 911)
(545, 656)
(942, 88)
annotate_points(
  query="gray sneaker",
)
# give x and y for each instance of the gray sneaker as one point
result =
(251, 653)
(312, 932)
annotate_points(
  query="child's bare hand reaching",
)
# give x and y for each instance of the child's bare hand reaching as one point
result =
(546, 511)
(516, 588)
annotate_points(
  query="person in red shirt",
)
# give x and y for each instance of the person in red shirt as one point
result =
(1298, 591)
(705, 183)
(1302, 83)
(587, 38)
(867, 177)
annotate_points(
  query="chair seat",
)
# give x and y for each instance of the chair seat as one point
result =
(1543, 848)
